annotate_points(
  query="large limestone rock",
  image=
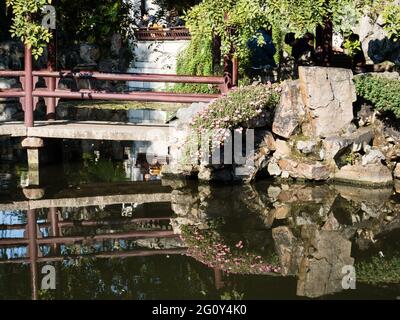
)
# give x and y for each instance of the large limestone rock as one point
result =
(328, 94)
(290, 112)
(370, 174)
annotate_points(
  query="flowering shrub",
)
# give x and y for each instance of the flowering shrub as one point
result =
(237, 107)
(208, 247)
(232, 112)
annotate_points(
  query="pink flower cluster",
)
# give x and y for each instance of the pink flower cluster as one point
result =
(210, 250)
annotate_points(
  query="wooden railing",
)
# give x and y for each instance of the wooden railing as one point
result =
(33, 241)
(29, 95)
(149, 34)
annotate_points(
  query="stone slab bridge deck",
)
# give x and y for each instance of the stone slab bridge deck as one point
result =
(91, 130)
(86, 201)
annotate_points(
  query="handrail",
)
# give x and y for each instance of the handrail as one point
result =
(165, 34)
(145, 77)
(29, 95)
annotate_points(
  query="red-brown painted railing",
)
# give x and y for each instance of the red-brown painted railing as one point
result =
(151, 34)
(33, 240)
(29, 95)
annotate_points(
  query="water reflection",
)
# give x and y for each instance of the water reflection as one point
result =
(147, 240)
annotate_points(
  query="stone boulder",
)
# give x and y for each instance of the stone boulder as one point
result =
(307, 146)
(397, 186)
(336, 145)
(304, 170)
(290, 112)
(328, 94)
(370, 174)
(372, 156)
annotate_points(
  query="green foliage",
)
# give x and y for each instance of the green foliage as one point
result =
(352, 47)
(96, 170)
(238, 21)
(391, 17)
(234, 21)
(382, 92)
(379, 270)
(390, 12)
(86, 21)
(195, 60)
(26, 24)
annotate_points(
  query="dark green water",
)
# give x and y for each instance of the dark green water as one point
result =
(119, 239)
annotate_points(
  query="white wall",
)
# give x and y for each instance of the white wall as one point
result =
(155, 57)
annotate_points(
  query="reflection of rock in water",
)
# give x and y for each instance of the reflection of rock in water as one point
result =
(315, 228)
(320, 272)
(317, 258)
(196, 206)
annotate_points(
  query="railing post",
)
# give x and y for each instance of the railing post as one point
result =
(51, 82)
(51, 102)
(235, 72)
(33, 252)
(28, 101)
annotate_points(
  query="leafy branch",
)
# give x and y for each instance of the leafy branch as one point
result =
(26, 24)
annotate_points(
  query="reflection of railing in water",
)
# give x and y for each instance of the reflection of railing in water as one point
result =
(32, 240)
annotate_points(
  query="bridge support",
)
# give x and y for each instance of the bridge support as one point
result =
(32, 145)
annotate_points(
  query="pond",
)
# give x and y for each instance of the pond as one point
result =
(90, 232)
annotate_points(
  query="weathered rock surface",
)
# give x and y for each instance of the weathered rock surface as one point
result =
(310, 171)
(290, 112)
(307, 146)
(274, 169)
(327, 92)
(288, 249)
(397, 186)
(335, 145)
(371, 174)
(374, 41)
(282, 149)
(320, 270)
(396, 171)
(186, 115)
(372, 156)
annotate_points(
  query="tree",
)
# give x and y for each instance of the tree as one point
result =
(26, 24)
(319, 17)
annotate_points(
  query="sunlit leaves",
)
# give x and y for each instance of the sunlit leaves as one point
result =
(26, 24)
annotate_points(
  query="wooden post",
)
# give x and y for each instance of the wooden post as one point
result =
(235, 72)
(28, 78)
(51, 82)
(33, 252)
